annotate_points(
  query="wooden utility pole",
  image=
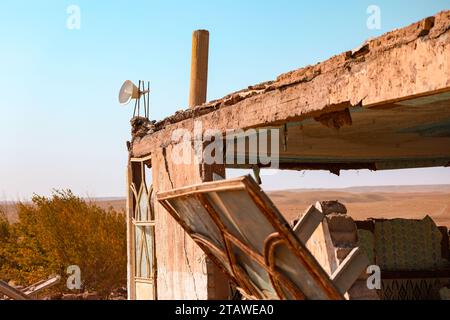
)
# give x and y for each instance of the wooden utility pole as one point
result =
(199, 68)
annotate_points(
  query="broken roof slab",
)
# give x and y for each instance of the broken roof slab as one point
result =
(408, 134)
(393, 92)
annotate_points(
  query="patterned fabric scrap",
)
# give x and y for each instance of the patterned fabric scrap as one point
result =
(404, 244)
(366, 241)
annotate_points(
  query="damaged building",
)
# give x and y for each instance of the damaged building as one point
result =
(194, 234)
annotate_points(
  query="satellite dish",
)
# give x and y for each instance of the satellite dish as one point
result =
(128, 92)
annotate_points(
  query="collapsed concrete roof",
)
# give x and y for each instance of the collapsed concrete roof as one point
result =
(389, 98)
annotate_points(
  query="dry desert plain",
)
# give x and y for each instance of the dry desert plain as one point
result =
(362, 202)
(414, 202)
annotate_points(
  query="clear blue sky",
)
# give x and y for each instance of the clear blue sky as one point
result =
(61, 125)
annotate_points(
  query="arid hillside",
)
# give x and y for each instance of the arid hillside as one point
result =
(362, 202)
(374, 202)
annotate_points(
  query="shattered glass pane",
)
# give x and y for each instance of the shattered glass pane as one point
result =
(144, 260)
(137, 250)
(149, 233)
(143, 205)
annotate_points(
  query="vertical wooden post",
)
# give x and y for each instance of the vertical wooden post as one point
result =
(181, 263)
(199, 68)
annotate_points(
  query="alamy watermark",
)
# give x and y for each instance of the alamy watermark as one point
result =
(235, 147)
(374, 279)
(73, 21)
(74, 279)
(374, 20)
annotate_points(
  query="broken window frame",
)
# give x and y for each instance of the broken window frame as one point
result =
(283, 235)
(145, 222)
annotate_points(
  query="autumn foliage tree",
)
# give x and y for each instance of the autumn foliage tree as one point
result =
(7, 248)
(63, 230)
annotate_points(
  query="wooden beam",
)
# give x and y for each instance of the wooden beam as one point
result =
(12, 292)
(41, 285)
(199, 68)
(321, 246)
(306, 226)
(350, 269)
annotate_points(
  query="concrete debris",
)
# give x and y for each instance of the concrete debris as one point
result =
(141, 126)
(331, 206)
(360, 51)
